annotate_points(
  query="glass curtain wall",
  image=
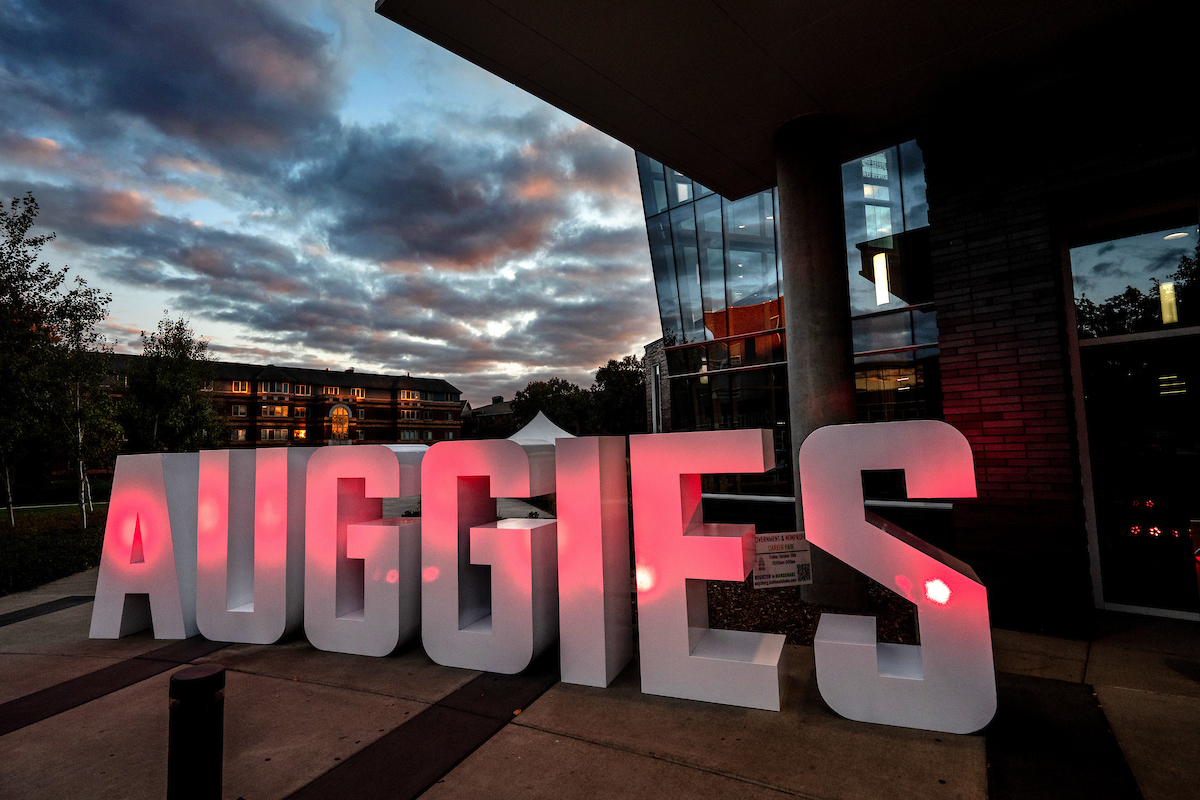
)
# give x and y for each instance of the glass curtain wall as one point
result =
(718, 274)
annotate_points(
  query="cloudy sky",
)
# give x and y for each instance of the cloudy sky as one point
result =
(313, 185)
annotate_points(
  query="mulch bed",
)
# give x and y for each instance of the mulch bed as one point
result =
(738, 606)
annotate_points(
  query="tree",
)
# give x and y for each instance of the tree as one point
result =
(563, 402)
(1134, 310)
(619, 397)
(27, 290)
(88, 430)
(165, 405)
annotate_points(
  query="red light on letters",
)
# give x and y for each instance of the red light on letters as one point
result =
(1155, 531)
(937, 591)
(1135, 529)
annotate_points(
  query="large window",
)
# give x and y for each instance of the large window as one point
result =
(340, 421)
(718, 276)
(1138, 324)
(883, 198)
(1142, 283)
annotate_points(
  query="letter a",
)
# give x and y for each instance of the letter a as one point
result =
(148, 564)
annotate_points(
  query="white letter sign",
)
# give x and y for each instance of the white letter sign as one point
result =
(354, 576)
(948, 682)
(595, 615)
(250, 558)
(489, 589)
(149, 549)
(677, 554)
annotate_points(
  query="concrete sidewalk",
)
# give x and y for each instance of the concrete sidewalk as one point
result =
(293, 714)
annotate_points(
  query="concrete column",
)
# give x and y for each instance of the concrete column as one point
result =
(820, 363)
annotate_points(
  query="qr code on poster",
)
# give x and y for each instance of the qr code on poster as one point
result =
(804, 572)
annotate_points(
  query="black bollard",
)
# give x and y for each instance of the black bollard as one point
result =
(197, 731)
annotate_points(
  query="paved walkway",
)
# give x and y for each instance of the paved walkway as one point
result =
(1116, 717)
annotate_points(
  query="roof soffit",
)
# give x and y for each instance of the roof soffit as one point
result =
(703, 84)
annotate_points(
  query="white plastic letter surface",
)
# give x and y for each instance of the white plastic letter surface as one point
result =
(361, 573)
(148, 565)
(489, 589)
(677, 553)
(595, 615)
(250, 546)
(948, 682)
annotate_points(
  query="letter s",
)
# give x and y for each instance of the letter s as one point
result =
(948, 682)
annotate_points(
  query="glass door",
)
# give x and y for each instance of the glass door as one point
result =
(1140, 367)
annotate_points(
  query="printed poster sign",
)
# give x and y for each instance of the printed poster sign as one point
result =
(781, 559)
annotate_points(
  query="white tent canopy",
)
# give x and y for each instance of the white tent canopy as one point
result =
(540, 430)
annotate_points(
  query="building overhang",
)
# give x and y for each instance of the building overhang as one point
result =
(703, 85)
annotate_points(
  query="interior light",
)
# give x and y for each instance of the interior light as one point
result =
(879, 263)
(770, 218)
(1170, 236)
(741, 226)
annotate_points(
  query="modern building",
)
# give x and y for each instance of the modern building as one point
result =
(279, 406)
(722, 361)
(984, 214)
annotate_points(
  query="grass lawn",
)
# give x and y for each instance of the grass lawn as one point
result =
(47, 544)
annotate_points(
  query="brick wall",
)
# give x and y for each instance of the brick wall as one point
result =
(1003, 197)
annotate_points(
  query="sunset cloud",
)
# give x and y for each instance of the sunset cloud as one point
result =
(230, 161)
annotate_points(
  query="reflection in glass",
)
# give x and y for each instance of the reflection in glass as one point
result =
(912, 183)
(1141, 403)
(654, 185)
(712, 264)
(662, 259)
(924, 326)
(751, 288)
(881, 332)
(679, 188)
(1149, 281)
(687, 274)
(883, 197)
